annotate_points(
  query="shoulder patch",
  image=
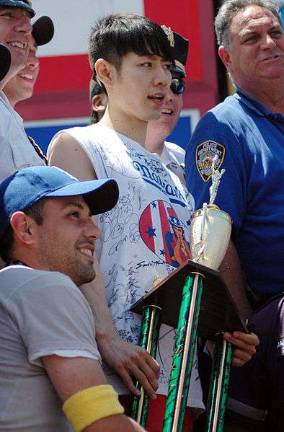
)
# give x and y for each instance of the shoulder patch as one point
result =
(205, 153)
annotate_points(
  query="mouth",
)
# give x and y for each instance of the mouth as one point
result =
(157, 98)
(26, 76)
(167, 111)
(88, 252)
(18, 45)
(271, 58)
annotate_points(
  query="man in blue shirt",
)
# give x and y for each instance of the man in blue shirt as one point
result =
(245, 136)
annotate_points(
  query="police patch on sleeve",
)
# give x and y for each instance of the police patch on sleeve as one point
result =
(205, 153)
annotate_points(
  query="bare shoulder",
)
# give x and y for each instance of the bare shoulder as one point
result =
(67, 153)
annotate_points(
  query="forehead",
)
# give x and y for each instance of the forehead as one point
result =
(251, 18)
(132, 57)
(61, 203)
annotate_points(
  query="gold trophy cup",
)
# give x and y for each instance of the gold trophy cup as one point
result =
(210, 229)
(210, 233)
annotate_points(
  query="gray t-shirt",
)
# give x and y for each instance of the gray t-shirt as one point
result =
(16, 151)
(41, 313)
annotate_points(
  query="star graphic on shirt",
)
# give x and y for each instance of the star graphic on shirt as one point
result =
(154, 205)
(151, 232)
(162, 252)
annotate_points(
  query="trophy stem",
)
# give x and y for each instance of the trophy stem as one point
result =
(148, 339)
(218, 393)
(183, 356)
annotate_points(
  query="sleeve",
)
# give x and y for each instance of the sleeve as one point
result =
(214, 138)
(53, 316)
(256, 393)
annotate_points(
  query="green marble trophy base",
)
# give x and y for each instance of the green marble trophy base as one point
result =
(194, 300)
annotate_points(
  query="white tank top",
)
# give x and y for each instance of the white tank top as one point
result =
(144, 237)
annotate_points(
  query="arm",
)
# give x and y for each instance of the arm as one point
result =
(71, 375)
(126, 359)
(232, 275)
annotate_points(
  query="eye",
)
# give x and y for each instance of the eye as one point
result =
(146, 64)
(168, 66)
(6, 15)
(276, 33)
(250, 39)
(75, 214)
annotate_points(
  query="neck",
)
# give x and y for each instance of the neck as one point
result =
(122, 123)
(154, 142)
(271, 96)
(10, 98)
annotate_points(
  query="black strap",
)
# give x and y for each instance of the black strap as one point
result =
(38, 149)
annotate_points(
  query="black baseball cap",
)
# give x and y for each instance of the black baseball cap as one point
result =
(180, 53)
(43, 30)
(21, 4)
(5, 61)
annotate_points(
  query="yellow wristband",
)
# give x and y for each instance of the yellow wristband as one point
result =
(91, 404)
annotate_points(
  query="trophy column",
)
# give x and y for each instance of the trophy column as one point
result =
(148, 339)
(183, 356)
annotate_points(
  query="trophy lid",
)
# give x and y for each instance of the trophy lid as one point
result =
(214, 210)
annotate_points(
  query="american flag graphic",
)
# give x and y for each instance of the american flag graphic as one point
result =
(157, 227)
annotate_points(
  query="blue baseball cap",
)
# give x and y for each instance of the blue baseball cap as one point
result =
(21, 4)
(29, 185)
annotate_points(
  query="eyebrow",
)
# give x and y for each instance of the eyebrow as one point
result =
(77, 205)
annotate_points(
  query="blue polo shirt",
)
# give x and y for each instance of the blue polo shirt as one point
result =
(248, 141)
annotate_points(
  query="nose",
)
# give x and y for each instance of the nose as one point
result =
(268, 41)
(33, 61)
(24, 25)
(169, 95)
(92, 230)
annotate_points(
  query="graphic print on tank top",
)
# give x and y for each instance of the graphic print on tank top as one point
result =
(164, 233)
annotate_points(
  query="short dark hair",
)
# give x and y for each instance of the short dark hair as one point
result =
(35, 211)
(229, 9)
(117, 35)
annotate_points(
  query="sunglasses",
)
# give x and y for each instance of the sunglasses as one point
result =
(177, 86)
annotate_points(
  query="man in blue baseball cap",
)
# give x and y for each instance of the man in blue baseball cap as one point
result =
(49, 355)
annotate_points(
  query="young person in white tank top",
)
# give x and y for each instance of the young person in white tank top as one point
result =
(131, 57)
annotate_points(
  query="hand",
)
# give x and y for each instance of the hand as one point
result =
(129, 361)
(244, 346)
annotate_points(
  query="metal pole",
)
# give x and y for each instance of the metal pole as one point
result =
(148, 339)
(218, 393)
(183, 356)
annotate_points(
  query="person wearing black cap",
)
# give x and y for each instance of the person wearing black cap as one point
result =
(14, 33)
(171, 154)
(49, 357)
(16, 151)
(21, 86)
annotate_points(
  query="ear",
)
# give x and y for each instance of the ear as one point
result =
(225, 57)
(22, 226)
(104, 72)
(99, 102)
